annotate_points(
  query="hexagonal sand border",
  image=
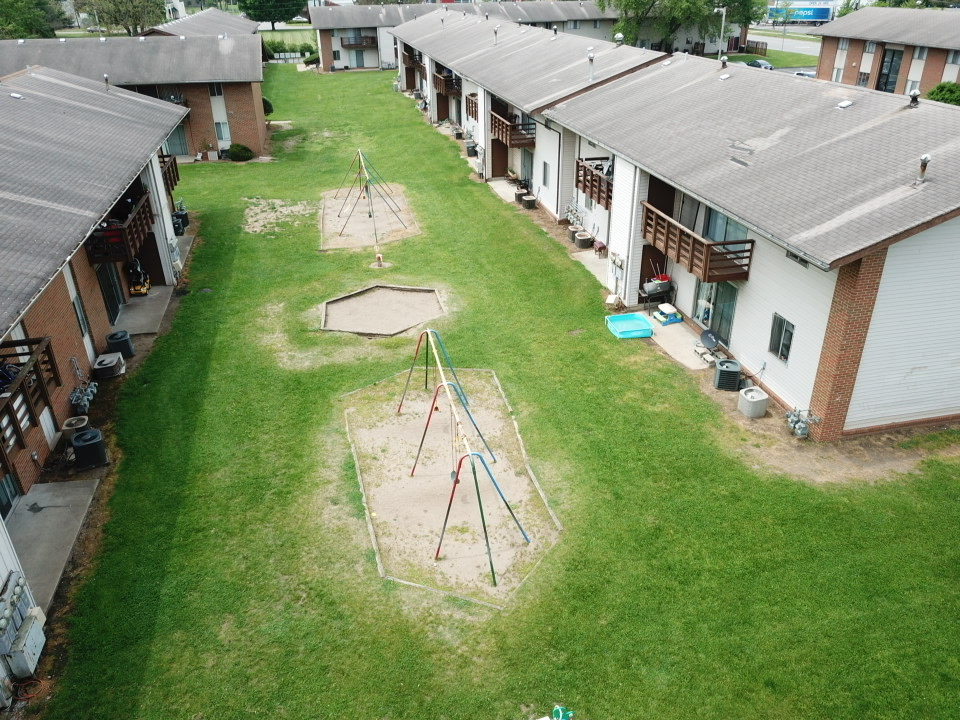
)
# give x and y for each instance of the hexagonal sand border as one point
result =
(381, 310)
(405, 514)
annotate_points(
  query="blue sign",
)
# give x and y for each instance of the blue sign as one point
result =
(801, 14)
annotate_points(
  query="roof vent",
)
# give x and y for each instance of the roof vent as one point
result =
(665, 63)
(723, 61)
(725, 76)
(924, 161)
(63, 40)
(618, 38)
(914, 98)
(844, 104)
(21, 41)
(103, 39)
(590, 57)
(142, 39)
(16, 96)
(183, 37)
(495, 30)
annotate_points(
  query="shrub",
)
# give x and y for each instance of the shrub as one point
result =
(945, 92)
(240, 153)
(312, 60)
(267, 107)
(307, 48)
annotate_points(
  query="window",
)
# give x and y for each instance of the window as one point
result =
(81, 316)
(336, 55)
(863, 79)
(588, 202)
(837, 74)
(919, 53)
(912, 85)
(546, 174)
(719, 228)
(953, 57)
(781, 337)
(223, 130)
(870, 47)
(797, 259)
(573, 25)
(216, 89)
(844, 43)
(596, 24)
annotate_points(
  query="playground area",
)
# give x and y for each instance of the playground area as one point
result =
(381, 310)
(451, 502)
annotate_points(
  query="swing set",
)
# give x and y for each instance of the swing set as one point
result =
(457, 400)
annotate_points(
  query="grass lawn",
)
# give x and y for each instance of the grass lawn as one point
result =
(791, 36)
(779, 59)
(237, 580)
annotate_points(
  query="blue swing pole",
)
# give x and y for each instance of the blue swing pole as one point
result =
(502, 496)
(463, 401)
(446, 356)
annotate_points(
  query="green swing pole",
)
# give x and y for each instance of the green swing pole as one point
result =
(483, 519)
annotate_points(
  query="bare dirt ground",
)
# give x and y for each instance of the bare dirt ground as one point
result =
(263, 216)
(351, 219)
(382, 310)
(407, 513)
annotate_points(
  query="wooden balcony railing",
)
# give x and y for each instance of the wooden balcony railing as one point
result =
(473, 106)
(449, 85)
(593, 183)
(513, 134)
(710, 261)
(408, 59)
(25, 397)
(120, 240)
(359, 42)
(170, 171)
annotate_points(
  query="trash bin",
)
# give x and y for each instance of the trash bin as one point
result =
(753, 402)
(89, 450)
(471, 149)
(178, 227)
(184, 217)
(120, 342)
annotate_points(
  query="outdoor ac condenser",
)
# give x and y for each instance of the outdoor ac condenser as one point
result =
(25, 652)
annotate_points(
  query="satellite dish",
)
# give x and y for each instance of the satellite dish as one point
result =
(709, 340)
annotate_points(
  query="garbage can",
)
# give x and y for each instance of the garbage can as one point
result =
(753, 402)
(184, 217)
(178, 227)
(89, 450)
(471, 149)
(120, 342)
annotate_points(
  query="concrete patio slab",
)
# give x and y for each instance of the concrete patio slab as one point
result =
(44, 526)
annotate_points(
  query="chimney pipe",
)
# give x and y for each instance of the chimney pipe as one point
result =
(590, 61)
(106, 81)
(914, 98)
(495, 35)
(924, 161)
(723, 62)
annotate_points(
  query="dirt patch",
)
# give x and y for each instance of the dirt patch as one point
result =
(406, 513)
(382, 310)
(266, 215)
(352, 218)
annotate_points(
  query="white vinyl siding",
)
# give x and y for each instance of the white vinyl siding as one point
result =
(545, 154)
(902, 381)
(630, 185)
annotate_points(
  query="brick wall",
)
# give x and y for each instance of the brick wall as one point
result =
(852, 67)
(933, 68)
(52, 315)
(199, 123)
(244, 104)
(850, 314)
(326, 49)
(828, 54)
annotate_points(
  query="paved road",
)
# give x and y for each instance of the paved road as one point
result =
(788, 44)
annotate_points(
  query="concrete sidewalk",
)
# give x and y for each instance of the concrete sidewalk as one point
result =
(44, 526)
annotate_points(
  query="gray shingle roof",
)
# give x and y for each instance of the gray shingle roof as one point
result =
(208, 22)
(142, 61)
(773, 150)
(931, 27)
(70, 147)
(529, 67)
(534, 11)
(360, 16)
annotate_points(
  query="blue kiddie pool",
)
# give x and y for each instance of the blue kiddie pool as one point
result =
(631, 325)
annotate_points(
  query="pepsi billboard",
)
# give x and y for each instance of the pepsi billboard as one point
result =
(801, 14)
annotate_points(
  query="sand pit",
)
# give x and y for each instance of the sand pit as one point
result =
(340, 229)
(381, 310)
(405, 514)
(265, 216)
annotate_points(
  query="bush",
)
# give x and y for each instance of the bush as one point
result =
(307, 48)
(312, 60)
(240, 153)
(945, 92)
(267, 107)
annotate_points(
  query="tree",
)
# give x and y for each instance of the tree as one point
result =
(134, 16)
(744, 13)
(27, 19)
(945, 92)
(665, 16)
(271, 11)
(847, 7)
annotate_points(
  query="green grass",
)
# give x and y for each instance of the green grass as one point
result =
(292, 36)
(236, 578)
(779, 59)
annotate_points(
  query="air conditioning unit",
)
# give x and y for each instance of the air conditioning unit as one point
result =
(73, 425)
(109, 365)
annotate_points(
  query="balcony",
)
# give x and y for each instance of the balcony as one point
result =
(26, 395)
(358, 42)
(120, 239)
(593, 183)
(710, 261)
(473, 106)
(408, 59)
(518, 134)
(169, 171)
(449, 85)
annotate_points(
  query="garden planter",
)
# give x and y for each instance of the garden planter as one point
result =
(572, 231)
(584, 240)
(530, 202)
